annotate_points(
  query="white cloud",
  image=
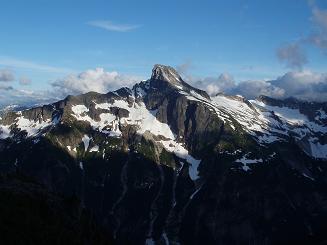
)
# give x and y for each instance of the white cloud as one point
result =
(6, 75)
(212, 85)
(303, 85)
(252, 89)
(110, 26)
(97, 80)
(225, 83)
(213, 89)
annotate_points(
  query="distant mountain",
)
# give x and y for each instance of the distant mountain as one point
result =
(9, 108)
(165, 163)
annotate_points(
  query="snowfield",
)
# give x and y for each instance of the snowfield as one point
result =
(266, 124)
(142, 118)
(31, 127)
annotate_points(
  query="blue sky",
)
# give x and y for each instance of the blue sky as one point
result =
(46, 40)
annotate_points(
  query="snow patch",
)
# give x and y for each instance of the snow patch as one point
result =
(81, 166)
(139, 92)
(108, 123)
(4, 132)
(321, 115)
(94, 148)
(146, 121)
(307, 176)
(318, 150)
(165, 237)
(149, 241)
(86, 140)
(79, 109)
(30, 126)
(246, 161)
(194, 193)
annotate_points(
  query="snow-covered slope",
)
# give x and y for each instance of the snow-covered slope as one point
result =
(264, 122)
(267, 123)
(143, 119)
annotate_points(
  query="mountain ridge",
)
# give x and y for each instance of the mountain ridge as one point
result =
(159, 152)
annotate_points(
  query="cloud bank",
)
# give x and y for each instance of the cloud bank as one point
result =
(11, 96)
(303, 85)
(97, 80)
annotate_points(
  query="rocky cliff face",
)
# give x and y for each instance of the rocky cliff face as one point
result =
(164, 163)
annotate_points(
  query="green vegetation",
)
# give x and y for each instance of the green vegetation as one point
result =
(167, 158)
(147, 149)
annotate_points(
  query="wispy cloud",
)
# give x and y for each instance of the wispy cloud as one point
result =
(111, 26)
(30, 65)
(292, 55)
(319, 35)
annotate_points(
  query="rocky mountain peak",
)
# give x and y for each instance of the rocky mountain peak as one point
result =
(145, 162)
(166, 73)
(165, 77)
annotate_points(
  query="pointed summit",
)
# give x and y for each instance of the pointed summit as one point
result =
(167, 74)
(165, 77)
